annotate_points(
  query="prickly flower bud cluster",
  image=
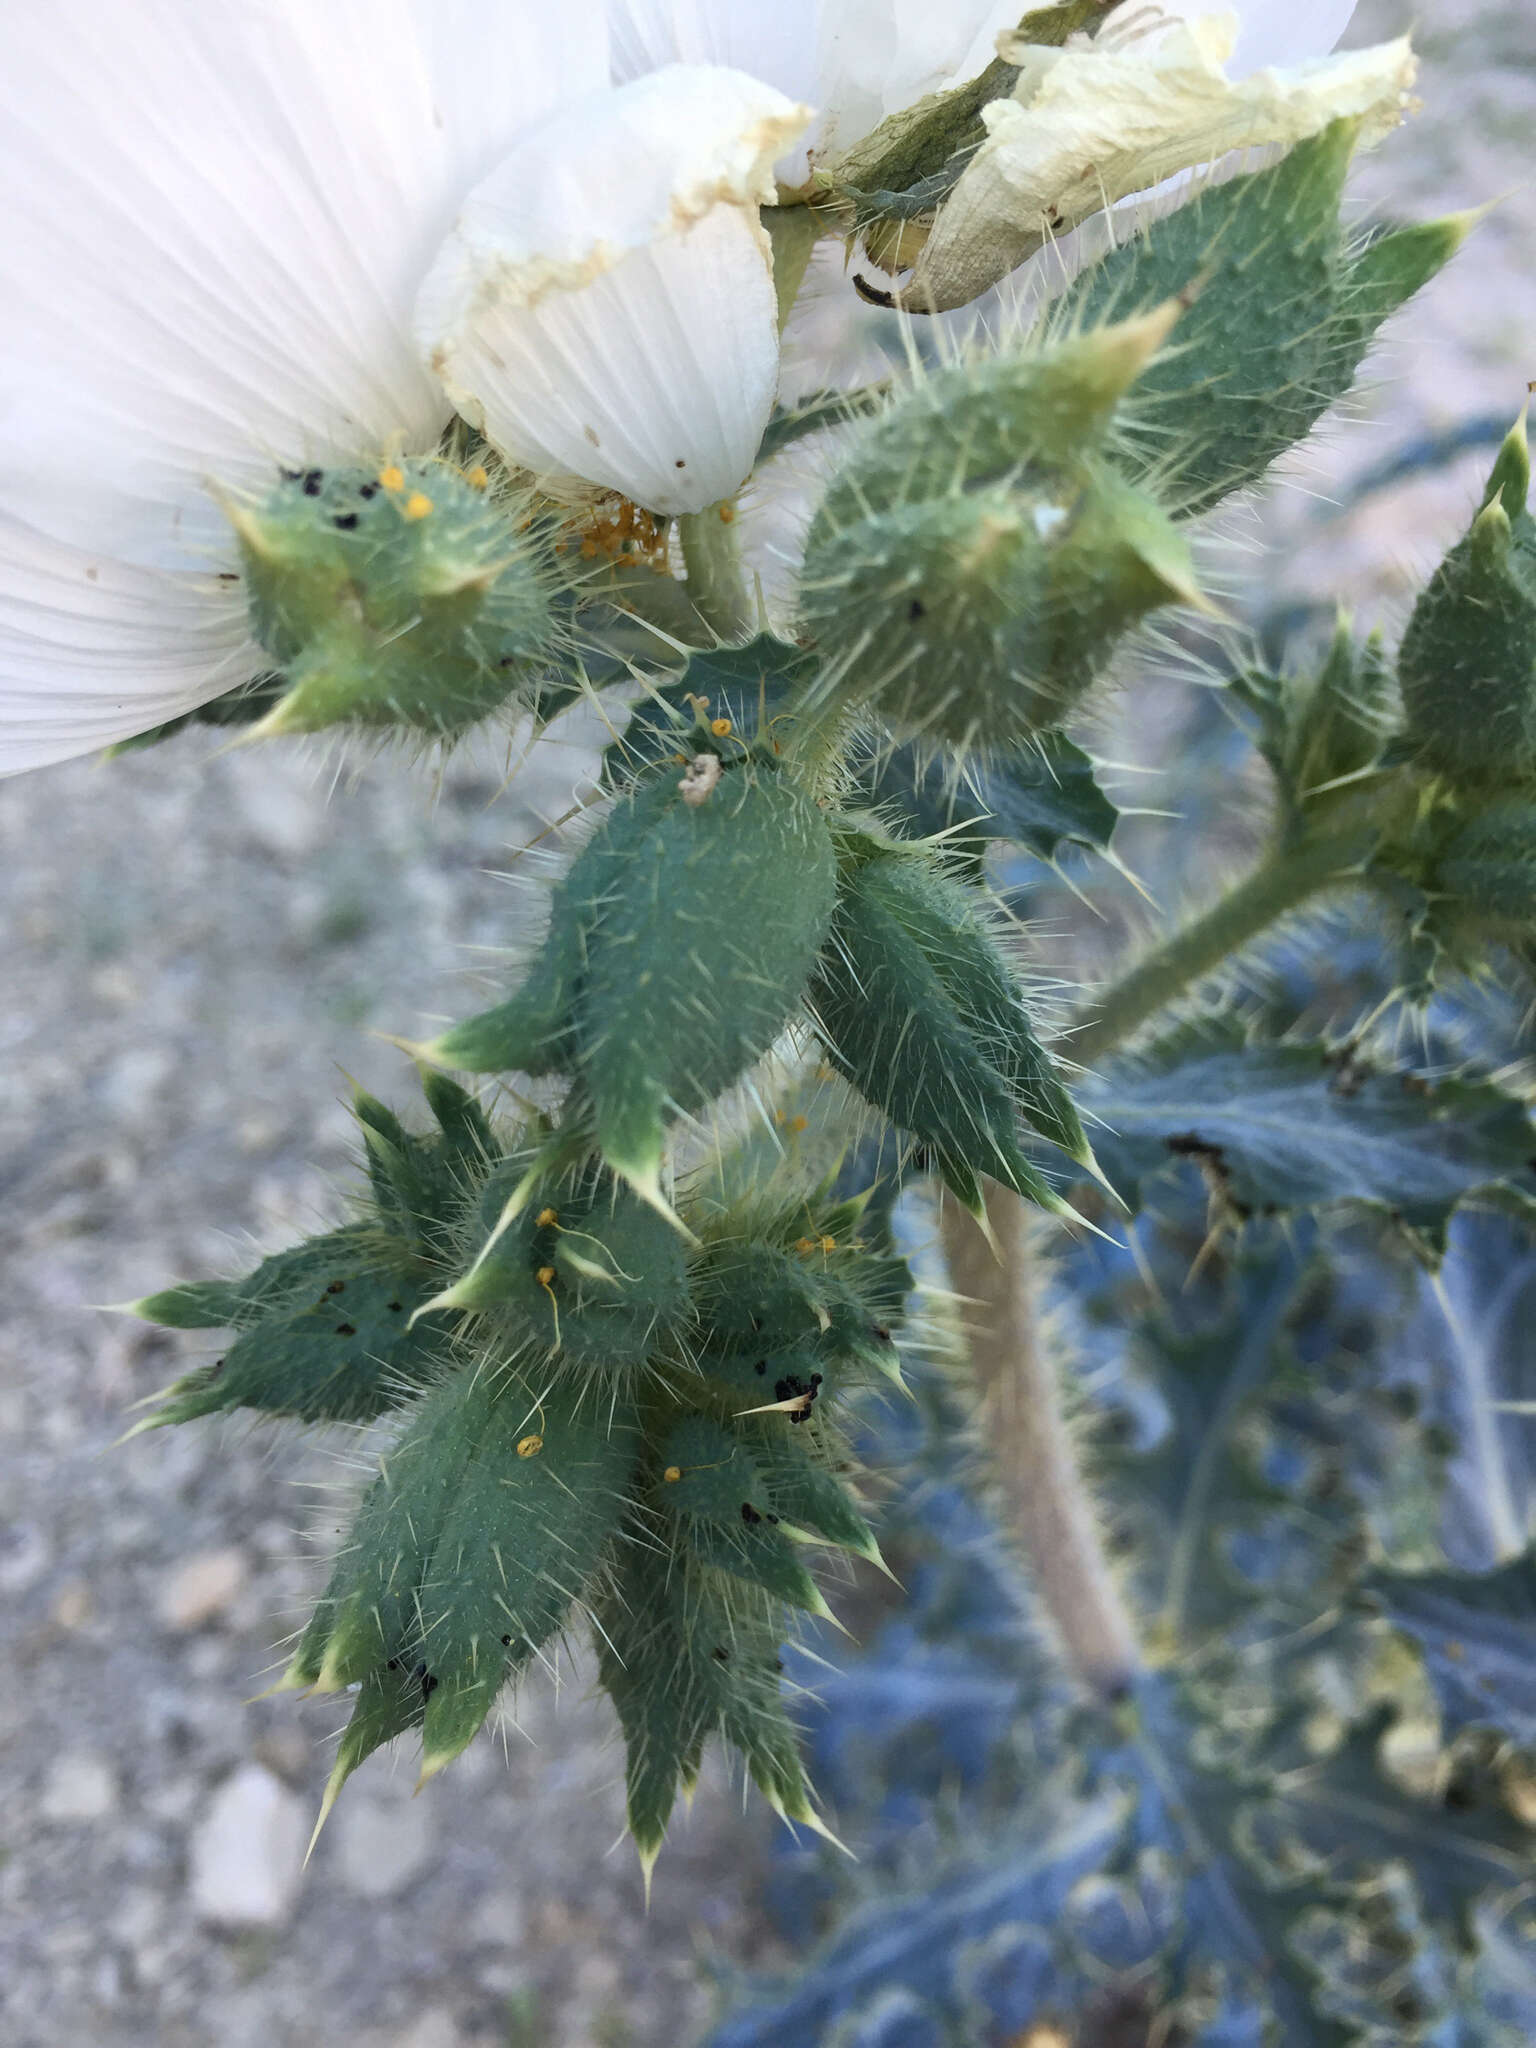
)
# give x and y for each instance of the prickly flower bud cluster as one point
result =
(590, 1412)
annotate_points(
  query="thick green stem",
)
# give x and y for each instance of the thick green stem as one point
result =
(1047, 1509)
(712, 559)
(1287, 878)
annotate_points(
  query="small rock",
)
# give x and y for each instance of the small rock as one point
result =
(24, 1556)
(382, 1843)
(73, 1607)
(201, 1588)
(81, 1786)
(499, 1921)
(435, 2028)
(284, 810)
(247, 1852)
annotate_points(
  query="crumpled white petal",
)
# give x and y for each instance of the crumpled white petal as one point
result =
(854, 61)
(1090, 124)
(215, 218)
(604, 307)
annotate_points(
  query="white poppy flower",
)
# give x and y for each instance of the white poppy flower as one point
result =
(604, 308)
(1094, 122)
(215, 218)
(855, 61)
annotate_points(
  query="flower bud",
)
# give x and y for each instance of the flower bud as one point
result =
(985, 615)
(397, 596)
(1468, 659)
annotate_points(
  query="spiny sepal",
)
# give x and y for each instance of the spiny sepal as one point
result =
(1324, 729)
(1468, 658)
(399, 595)
(921, 1013)
(584, 1270)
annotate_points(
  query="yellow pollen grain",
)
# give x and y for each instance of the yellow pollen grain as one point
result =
(546, 1217)
(719, 727)
(727, 515)
(392, 477)
(477, 478)
(805, 1246)
(829, 1244)
(672, 1474)
(545, 1276)
(417, 505)
(530, 1446)
(799, 1123)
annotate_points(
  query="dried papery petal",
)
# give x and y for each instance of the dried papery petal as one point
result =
(1090, 124)
(604, 308)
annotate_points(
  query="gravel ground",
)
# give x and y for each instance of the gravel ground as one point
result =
(199, 944)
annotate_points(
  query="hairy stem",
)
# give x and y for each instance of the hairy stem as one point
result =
(1048, 1511)
(712, 559)
(1280, 883)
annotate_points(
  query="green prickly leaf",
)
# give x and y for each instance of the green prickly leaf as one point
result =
(890, 1021)
(757, 1377)
(762, 1556)
(685, 1655)
(467, 1141)
(540, 1492)
(944, 917)
(1027, 416)
(371, 1609)
(420, 1181)
(1468, 659)
(1292, 1126)
(531, 1033)
(301, 1269)
(1475, 1630)
(1281, 314)
(699, 964)
(758, 1296)
(388, 1703)
(347, 1357)
(1326, 727)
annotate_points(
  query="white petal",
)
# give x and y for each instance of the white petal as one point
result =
(854, 60)
(604, 307)
(877, 56)
(1275, 32)
(776, 44)
(215, 217)
(1090, 125)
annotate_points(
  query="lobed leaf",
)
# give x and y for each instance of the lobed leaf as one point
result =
(1289, 1127)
